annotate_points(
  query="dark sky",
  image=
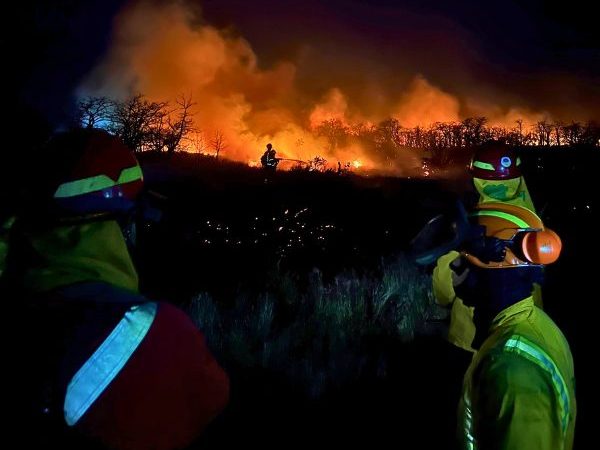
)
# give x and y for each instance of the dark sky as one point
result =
(545, 56)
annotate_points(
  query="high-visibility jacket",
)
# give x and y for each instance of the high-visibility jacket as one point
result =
(512, 191)
(113, 365)
(519, 391)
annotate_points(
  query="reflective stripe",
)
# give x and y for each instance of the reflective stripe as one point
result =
(97, 183)
(518, 161)
(106, 362)
(502, 215)
(469, 438)
(530, 351)
(483, 165)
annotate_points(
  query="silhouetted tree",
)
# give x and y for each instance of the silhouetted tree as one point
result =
(175, 129)
(591, 134)
(218, 143)
(94, 112)
(138, 122)
(573, 133)
(543, 131)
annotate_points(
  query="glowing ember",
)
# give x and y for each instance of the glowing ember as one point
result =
(357, 164)
(253, 163)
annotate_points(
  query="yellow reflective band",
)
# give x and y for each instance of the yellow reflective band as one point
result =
(502, 215)
(107, 361)
(483, 165)
(518, 161)
(97, 183)
(530, 351)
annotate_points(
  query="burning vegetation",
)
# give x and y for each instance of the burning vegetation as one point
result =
(204, 90)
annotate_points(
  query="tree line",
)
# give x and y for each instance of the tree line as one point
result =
(389, 137)
(168, 127)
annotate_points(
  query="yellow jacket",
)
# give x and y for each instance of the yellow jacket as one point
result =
(519, 391)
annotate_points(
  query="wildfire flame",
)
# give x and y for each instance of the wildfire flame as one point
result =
(163, 52)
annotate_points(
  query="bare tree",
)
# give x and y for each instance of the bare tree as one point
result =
(177, 128)
(218, 143)
(543, 130)
(93, 112)
(196, 141)
(573, 133)
(519, 123)
(138, 122)
(474, 130)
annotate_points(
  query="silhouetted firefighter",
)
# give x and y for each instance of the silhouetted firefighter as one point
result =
(268, 159)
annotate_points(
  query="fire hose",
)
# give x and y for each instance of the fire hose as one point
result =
(295, 160)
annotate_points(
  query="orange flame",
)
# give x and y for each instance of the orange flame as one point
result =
(164, 52)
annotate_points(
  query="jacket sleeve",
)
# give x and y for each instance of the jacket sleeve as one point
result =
(514, 406)
(442, 279)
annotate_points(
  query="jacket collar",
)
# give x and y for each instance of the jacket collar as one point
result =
(515, 313)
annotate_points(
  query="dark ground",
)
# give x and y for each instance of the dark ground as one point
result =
(415, 403)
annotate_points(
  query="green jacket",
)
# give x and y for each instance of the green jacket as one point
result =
(519, 391)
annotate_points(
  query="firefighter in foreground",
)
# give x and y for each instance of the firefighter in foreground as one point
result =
(103, 363)
(519, 390)
(497, 178)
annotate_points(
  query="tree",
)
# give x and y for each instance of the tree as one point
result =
(558, 132)
(218, 142)
(591, 134)
(543, 131)
(572, 133)
(139, 122)
(335, 132)
(519, 123)
(474, 130)
(94, 112)
(176, 129)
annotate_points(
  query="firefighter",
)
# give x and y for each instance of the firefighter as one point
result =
(519, 390)
(104, 364)
(497, 177)
(269, 160)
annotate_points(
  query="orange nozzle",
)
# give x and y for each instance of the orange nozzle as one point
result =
(542, 247)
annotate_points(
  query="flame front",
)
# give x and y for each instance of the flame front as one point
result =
(164, 52)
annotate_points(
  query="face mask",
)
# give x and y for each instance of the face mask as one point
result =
(500, 190)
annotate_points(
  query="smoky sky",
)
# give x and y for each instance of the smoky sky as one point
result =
(545, 57)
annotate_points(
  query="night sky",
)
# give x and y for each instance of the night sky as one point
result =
(544, 57)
